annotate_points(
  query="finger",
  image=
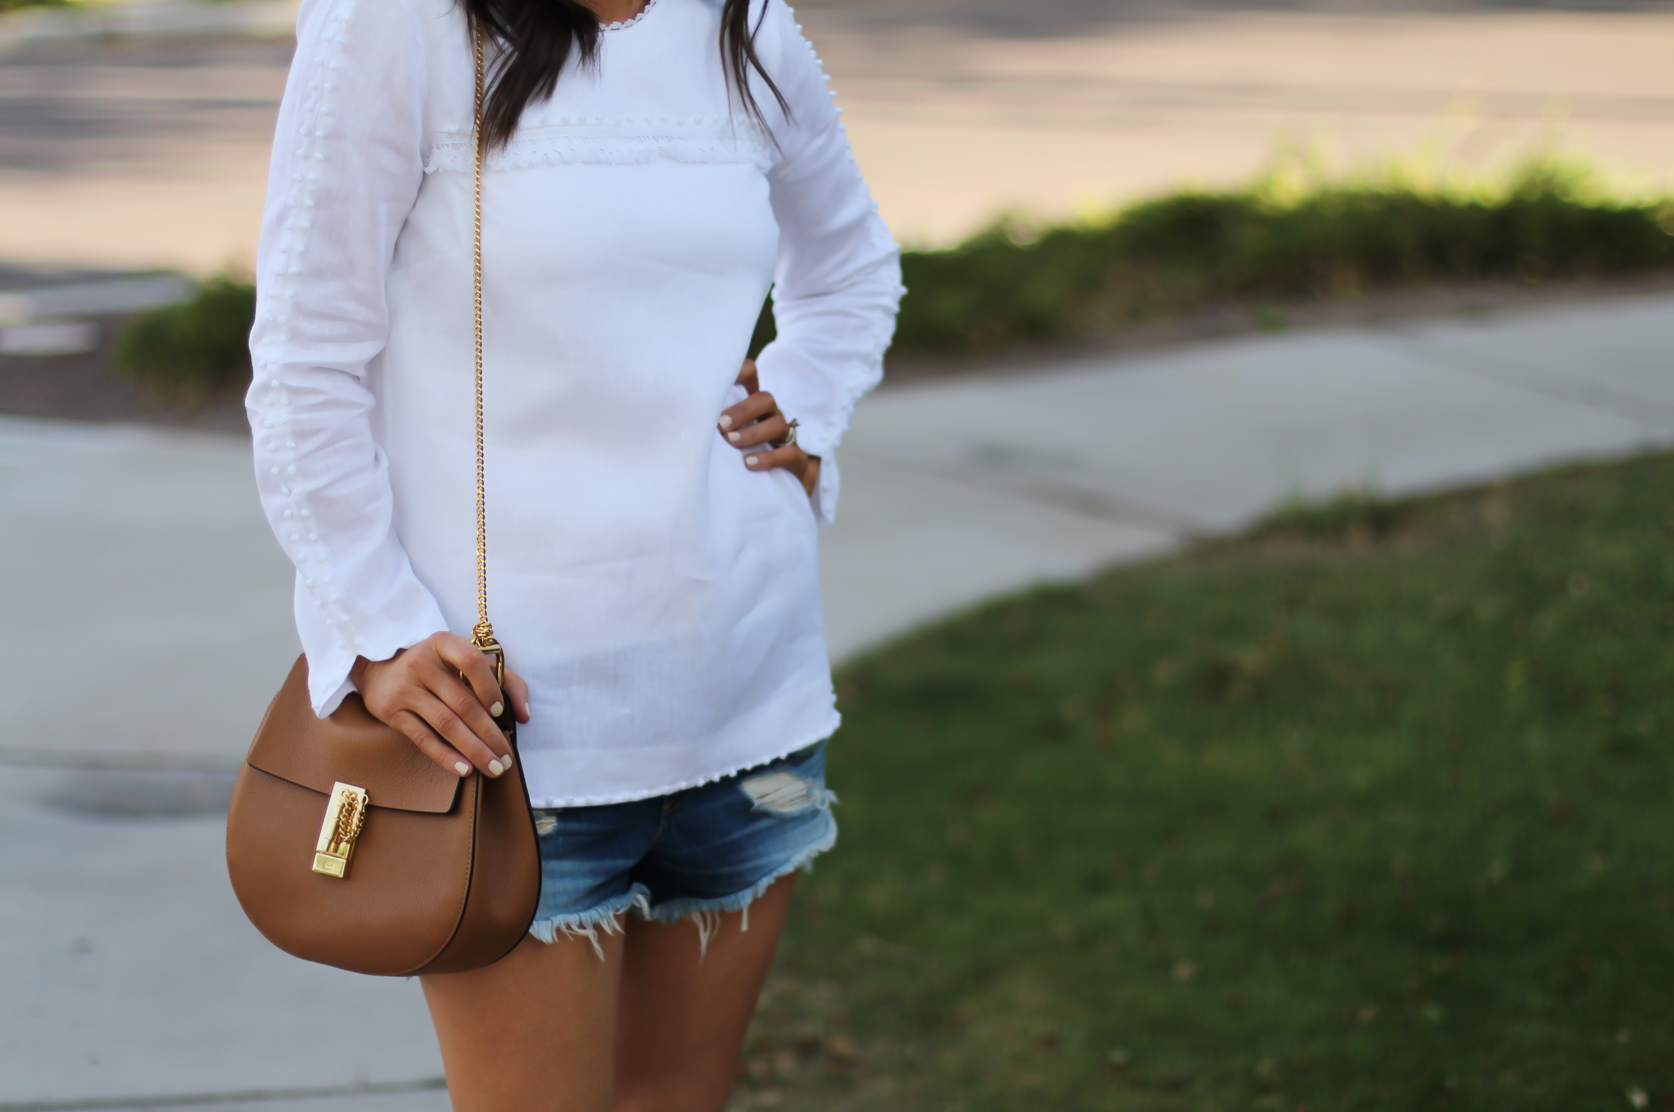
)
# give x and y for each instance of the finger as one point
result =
(432, 746)
(747, 377)
(772, 427)
(445, 721)
(475, 667)
(753, 408)
(766, 460)
(464, 679)
(518, 692)
(464, 702)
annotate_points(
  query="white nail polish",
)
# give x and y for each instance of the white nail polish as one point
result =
(495, 768)
(726, 421)
(461, 767)
(508, 760)
(497, 710)
(749, 461)
(735, 437)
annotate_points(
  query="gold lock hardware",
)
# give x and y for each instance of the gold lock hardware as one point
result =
(345, 815)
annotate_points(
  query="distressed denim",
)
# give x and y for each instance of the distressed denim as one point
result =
(693, 853)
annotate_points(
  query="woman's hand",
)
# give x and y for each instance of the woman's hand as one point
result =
(755, 424)
(419, 692)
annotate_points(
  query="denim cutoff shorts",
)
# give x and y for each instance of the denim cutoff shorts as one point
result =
(693, 853)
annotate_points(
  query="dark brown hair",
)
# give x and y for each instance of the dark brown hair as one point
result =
(536, 38)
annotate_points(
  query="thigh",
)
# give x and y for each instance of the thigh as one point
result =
(683, 1011)
(537, 1030)
(534, 1032)
(719, 883)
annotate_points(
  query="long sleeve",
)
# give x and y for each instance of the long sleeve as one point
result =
(838, 279)
(348, 160)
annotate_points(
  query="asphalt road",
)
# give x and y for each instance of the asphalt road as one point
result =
(130, 154)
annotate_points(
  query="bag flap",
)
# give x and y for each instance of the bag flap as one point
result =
(295, 744)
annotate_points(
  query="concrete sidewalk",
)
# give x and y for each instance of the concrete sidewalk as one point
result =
(129, 976)
(957, 490)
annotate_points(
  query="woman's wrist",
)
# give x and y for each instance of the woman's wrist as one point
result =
(359, 669)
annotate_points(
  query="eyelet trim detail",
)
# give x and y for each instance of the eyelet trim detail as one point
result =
(864, 374)
(624, 23)
(270, 398)
(622, 141)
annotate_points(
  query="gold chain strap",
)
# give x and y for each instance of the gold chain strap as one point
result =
(483, 634)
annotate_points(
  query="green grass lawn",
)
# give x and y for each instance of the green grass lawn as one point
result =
(1367, 810)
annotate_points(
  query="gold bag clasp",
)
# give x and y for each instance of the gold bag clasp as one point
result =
(345, 815)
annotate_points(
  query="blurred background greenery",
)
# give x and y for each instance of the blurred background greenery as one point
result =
(1297, 234)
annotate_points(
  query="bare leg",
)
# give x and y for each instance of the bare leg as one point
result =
(681, 1020)
(535, 1032)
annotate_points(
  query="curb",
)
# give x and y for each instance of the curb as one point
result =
(42, 321)
(116, 295)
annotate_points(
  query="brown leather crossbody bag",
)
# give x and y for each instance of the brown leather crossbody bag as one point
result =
(348, 846)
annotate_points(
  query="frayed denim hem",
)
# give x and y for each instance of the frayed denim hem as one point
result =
(587, 924)
(706, 914)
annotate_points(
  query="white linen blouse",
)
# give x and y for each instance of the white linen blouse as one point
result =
(661, 600)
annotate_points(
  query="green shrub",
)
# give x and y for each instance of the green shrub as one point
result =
(195, 350)
(1013, 284)
(1006, 285)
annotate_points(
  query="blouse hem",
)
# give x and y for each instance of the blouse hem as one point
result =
(813, 737)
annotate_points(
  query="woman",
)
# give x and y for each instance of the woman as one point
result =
(652, 509)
